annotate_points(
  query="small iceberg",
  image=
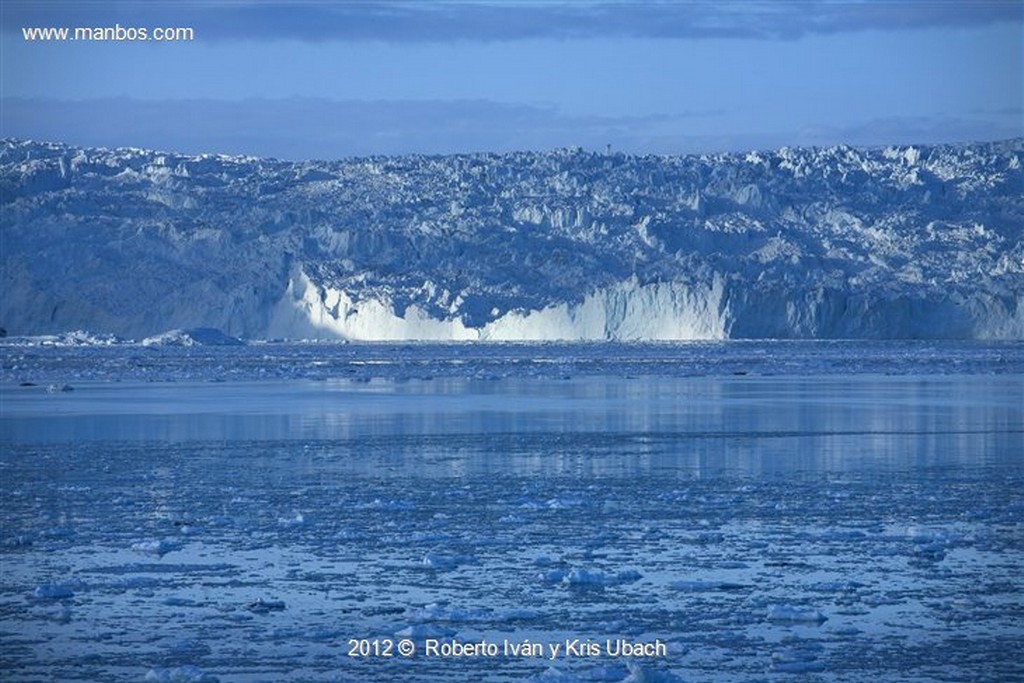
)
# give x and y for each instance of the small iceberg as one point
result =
(589, 578)
(298, 520)
(798, 660)
(787, 614)
(158, 548)
(198, 336)
(52, 592)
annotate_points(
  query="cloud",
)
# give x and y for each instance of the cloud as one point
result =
(509, 20)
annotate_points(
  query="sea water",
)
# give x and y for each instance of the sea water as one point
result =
(656, 512)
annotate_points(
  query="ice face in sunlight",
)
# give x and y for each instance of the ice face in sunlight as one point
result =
(843, 511)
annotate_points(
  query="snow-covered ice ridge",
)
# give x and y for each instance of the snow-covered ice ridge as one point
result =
(901, 242)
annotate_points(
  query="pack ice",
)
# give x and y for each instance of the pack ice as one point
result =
(898, 242)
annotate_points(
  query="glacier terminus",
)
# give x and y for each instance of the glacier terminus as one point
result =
(839, 242)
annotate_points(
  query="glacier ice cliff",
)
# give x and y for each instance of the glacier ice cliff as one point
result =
(900, 242)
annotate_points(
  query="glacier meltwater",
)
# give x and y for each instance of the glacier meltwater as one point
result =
(192, 510)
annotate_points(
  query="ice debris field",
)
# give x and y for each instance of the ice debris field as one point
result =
(768, 511)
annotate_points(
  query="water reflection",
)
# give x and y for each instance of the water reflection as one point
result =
(707, 423)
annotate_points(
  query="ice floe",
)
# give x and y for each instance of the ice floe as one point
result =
(788, 614)
(180, 674)
(53, 591)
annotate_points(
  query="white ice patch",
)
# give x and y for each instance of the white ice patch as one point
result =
(180, 674)
(425, 631)
(298, 520)
(441, 562)
(157, 547)
(200, 336)
(582, 578)
(53, 592)
(787, 614)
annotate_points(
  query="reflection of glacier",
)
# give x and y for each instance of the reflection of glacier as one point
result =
(839, 242)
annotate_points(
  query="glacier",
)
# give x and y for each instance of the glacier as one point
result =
(898, 242)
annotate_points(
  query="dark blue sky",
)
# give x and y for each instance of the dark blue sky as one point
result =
(332, 79)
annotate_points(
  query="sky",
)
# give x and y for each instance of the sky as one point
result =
(326, 80)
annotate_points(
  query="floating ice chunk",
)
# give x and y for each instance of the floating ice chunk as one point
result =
(930, 547)
(176, 601)
(180, 674)
(238, 617)
(158, 548)
(588, 577)
(426, 631)
(261, 606)
(53, 591)
(221, 520)
(607, 673)
(61, 615)
(297, 520)
(787, 614)
(585, 577)
(642, 674)
(199, 336)
(554, 675)
(438, 612)
(20, 540)
(446, 562)
(563, 502)
(796, 661)
(552, 576)
(628, 576)
(925, 535)
(388, 505)
(837, 587)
